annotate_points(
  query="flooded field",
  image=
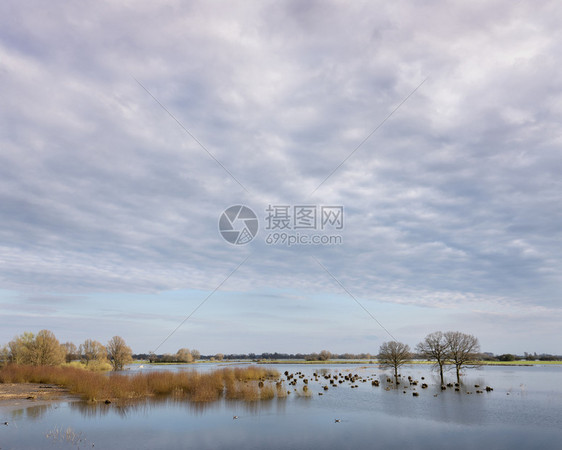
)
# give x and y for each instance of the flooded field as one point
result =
(524, 410)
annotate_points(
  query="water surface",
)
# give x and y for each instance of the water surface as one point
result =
(523, 411)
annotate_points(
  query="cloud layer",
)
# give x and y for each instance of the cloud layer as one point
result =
(109, 207)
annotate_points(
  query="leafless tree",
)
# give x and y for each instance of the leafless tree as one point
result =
(4, 354)
(42, 349)
(463, 350)
(184, 355)
(46, 350)
(394, 354)
(20, 348)
(435, 348)
(196, 354)
(92, 351)
(71, 351)
(118, 353)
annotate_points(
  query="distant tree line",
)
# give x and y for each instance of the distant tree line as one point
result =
(527, 357)
(183, 355)
(447, 350)
(44, 349)
(324, 355)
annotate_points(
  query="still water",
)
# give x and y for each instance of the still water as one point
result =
(524, 411)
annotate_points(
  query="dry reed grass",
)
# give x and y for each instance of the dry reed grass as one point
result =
(235, 383)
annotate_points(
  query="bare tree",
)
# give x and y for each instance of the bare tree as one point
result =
(394, 354)
(42, 349)
(463, 350)
(196, 354)
(92, 351)
(46, 350)
(119, 353)
(4, 355)
(184, 355)
(20, 348)
(71, 351)
(435, 348)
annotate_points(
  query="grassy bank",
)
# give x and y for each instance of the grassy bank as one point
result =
(519, 363)
(94, 366)
(249, 383)
(374, 361)
(302, 361)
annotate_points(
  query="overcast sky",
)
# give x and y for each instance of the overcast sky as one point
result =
(127, 128)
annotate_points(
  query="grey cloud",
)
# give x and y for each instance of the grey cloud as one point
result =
(455, 198)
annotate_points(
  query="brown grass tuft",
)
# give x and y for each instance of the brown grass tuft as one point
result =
(235, 383)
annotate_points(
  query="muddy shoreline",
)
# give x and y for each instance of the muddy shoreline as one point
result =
(22, 395)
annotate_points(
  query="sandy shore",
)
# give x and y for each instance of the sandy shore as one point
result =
(31, 391)
(22, 395)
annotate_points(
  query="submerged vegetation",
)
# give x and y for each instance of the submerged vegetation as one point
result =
(248, 383)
